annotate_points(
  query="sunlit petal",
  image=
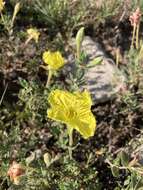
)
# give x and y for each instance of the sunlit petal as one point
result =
(73, 109)
(53, 59)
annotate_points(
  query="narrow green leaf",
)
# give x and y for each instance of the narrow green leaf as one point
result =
(79, 39)
(117, 188)
(96, 61)
(127, 181)
(133, 180)
(23, 82)
(30, 158)
(115, 171)
(124, 158)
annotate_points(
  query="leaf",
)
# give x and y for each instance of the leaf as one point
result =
(124, 158)
(47, 159)
(96, 61)
(79, 39)
(140, 188)
(30, 159)
(115, 171)
(133, 180)
(80, 36)
(127, 181)
(117, 188)
(23, 82)
(80, 74)
(117, 160)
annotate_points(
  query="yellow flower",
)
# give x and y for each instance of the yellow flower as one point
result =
(33, 34)
(2, 3)
(53, 59)
(73, 109)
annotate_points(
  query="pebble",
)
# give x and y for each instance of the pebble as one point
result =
(105, 80)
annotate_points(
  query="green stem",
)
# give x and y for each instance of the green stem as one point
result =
(70, 143)
(2, 18)
(3, 94)
(27, 41)
(133, 36)
(137, 36)
(78, 53)
(4, 23)
(49, 78)
(117, 57)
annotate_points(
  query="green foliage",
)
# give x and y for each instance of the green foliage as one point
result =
(57, 14)
(131, 169)
(136, 3)
(25, 131)
(124, 158)
(25, 136)
(108, 9)
(133, 182)
(134, 79)
(34, 99)
(115, 171)
(96, 61)
(52, 11)
(8, 21)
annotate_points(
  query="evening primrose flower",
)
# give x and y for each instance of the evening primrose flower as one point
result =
(15, 171)
(33, 34)
(73, 109)
(54, 60)
(2, 3)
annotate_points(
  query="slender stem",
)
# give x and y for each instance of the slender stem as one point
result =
(27, 41)
(70, 143)
(78, 53)
(137, 36)
(133, 36)
(4, 23)
(3, 94)
(136, 169)
(2, 18)
(117, 57)
(49, 78)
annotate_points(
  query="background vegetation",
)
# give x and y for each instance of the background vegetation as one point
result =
(27, 135)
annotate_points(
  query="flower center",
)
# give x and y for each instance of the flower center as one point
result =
(71, 113)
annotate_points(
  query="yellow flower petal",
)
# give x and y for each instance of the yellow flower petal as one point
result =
(85, 98)
(86, 128)
(73, 109)
(33, 33)
(2, 3)
(56, 114)
(53, 59)
(58, 98)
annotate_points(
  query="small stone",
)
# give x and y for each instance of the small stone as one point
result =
(105, 80)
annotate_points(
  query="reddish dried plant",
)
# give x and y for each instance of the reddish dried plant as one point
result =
(135, 22)
(15, 171)
(135, 17)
